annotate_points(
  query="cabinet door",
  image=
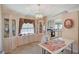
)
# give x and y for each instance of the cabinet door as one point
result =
(40, 26)
(14, 27)
(7, 45)
(6, 28)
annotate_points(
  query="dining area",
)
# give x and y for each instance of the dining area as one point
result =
(56, 46)
(53, 34)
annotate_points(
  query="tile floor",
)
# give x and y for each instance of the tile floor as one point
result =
(32, 48)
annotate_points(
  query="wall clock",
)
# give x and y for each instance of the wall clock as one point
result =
(68, 23)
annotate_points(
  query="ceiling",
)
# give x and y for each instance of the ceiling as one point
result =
(45, 9)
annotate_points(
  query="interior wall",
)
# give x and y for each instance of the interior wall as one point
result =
(10, 14)
(0, 29)
(71, 33)
(54, 19)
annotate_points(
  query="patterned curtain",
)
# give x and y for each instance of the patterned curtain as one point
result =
(22, 20)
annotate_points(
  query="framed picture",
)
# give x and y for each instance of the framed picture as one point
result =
(13, 27)
(6, 28)
(68, 23)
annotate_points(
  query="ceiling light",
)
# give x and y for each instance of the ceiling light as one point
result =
(38, 15)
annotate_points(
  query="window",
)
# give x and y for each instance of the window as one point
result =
(27, 28)
(58, 26)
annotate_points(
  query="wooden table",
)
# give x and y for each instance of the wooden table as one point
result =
(54, 47)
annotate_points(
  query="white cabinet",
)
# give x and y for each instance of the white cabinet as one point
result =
(13, 42)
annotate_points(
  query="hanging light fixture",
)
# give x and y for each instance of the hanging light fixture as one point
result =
(38, 15)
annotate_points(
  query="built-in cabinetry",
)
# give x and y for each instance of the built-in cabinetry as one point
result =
(11, 38)
(1, 46)
(13, 42)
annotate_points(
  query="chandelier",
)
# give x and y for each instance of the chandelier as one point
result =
(38, 15)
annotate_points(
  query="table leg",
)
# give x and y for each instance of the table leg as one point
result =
(62, 51)
(42, 51)
(72, 48)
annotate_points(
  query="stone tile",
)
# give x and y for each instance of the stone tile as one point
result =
(32, 48)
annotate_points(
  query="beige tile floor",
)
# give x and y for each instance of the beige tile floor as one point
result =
(32, 48)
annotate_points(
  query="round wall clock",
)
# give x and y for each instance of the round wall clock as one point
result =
(68, 23)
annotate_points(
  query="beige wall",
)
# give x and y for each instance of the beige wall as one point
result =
(0, 29)
(10, 43)
(10, 14)
(71, 33)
